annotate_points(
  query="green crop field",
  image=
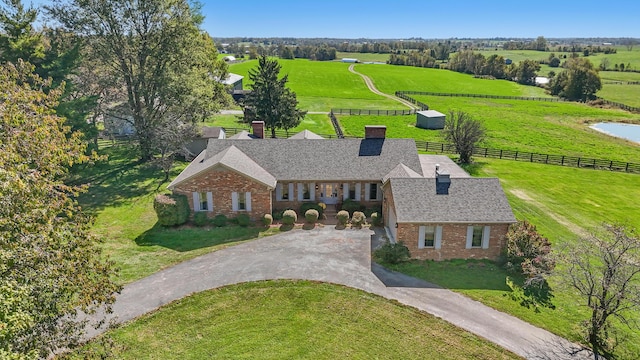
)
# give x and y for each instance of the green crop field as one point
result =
(292, 320)
(321, 86)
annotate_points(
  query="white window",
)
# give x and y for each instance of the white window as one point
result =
(202, 201)
(430, 236)
(284, 192)
(372, 192)
(306, 191)
(241, 201)
(478, 236)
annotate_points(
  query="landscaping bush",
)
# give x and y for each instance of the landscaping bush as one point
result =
(352, 206)
(315, 206)
(172, 210)
(528, 253)
(311, 215)
(376, 219)
(375, 209)
(220, 220)
(277, 214)
(200, 218)
(267, 220)
(243, 220)
(289, 217)
(343, 217)
(392, 253)
(358, 219)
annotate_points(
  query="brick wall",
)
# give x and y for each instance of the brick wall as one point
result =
(222, 183)
(454, 239)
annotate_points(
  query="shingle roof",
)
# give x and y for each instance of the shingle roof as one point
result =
(306, 134)
(400, 171)
(232, 158)
(209, 132)
(470, 200)
(326, 159)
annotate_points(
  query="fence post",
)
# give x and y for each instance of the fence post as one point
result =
(500, 153)
(578, 162)
(546, 161)
(562, 162)
(516, 158)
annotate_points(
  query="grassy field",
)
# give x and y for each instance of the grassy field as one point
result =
(541, 127)
(625, 94)
(121, 199)
(322, 85)
(318, 123)
(294, 320)
(390, 78)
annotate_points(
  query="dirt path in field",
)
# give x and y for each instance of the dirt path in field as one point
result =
(559, 218)
(373, 89)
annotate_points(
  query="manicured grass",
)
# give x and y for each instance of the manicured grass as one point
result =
(622, 93)
(619, 76)
(295, 319)
(391, 78)
(323, 85)
(121, 196)
(318, 123)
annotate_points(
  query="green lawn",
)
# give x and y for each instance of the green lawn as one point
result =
(622, 93)
(121, 196)
(293, 320)
(318, 123)
(323, 85)
(391, 78)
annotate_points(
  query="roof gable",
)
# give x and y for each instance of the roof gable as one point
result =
(231, 158)
(306, 134)
(469, 200)
(400, 171)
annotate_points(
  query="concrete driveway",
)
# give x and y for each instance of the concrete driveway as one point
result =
(341, 257)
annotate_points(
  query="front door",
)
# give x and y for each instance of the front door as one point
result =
(329, 193)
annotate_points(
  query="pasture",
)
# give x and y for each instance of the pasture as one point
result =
(293, 320)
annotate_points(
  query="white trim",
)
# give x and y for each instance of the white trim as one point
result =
(358, 190)
(291, 192)
(279, 192)
(367, 190)
(247, 201)
(300, 191)
(486, 235)
(421, 234)
(209, 201)
(312, 191)
(378, 192)
(469, 236)
(438, 241)
(234, 201)
(345, 191)
(196, 201)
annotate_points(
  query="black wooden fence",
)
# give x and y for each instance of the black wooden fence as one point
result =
(562, 160)
(420, 104)
(373, 112)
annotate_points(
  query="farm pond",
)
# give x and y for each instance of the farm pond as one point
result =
(625, 131)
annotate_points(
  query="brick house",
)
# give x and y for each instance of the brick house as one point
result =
(438, 211)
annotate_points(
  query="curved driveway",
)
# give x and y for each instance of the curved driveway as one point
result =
(374, 89)
(341, 257)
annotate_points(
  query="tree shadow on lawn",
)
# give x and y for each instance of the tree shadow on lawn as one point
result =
(188, 238)
(116, 180)
(474, 274)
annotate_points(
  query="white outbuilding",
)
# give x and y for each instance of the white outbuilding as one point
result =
(430, 119)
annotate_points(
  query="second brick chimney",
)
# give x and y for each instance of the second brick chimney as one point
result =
(375, 131)
(258, 129)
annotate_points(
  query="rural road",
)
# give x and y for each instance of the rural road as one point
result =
(341, 257)
(374, 90)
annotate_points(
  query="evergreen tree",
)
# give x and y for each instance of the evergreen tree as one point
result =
(271, 101)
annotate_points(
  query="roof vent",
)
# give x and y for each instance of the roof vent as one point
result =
(443, 181)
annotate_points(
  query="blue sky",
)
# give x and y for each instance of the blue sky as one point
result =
(415, 18)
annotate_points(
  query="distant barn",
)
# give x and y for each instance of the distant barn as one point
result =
(349, 60)
(430, 119)
(229, 58)
(234, 81)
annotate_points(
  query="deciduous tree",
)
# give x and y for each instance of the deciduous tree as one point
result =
(270, 99)
(156, 51)
(464, 132)
(579, 81)
(50, 265)
(604, 268)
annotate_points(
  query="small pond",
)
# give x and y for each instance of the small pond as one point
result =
(625, 131)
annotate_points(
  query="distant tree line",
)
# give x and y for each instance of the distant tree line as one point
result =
(495, 66)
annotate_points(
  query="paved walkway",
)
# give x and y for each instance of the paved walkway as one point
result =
(341, 257)
(373, 89)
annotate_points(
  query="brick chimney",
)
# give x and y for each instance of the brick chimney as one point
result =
(258, 129)
(443, 181)
(375, 131)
